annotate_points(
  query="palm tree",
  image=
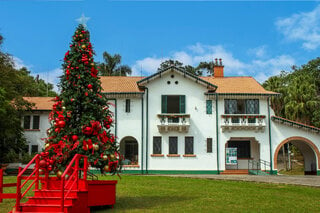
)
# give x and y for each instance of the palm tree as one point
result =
(301, 100)
(278, 84)
(112, 67)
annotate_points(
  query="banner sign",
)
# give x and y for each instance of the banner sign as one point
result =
(231, 156)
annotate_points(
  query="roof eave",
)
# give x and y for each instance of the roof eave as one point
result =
(146, 80)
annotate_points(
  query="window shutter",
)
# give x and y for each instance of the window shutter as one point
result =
(209, 106)
(182, 104)
(163, 104)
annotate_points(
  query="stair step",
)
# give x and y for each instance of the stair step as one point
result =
(235, 172)
(50, 200)
(29, 207)
(54, 193)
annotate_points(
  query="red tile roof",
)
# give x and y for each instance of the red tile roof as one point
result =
(41, 103)
(119, 84)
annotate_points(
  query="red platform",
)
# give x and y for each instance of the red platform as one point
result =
(72, 193)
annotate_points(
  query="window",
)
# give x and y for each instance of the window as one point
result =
(36, 122)
(34, 148)
(243, 148)
(156, 145)
(131, 152)
(209, 145)
(188, 146)
(241, 106)
(26, 122)
(173, 104)
(173, 145)
(209, 106)
(127, 105)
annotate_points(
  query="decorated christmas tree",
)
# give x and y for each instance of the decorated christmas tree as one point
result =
(80, 119)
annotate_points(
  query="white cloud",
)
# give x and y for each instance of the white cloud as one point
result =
(262, 69)
(147, 65)
(259, 52)
(303, 27)
(18, 63)
(51, 76)
(194, 54)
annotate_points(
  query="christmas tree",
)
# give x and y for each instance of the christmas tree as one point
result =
(80, 118)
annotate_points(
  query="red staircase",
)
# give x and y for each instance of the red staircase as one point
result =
(71, 193)
(235, 172)
(67, 194)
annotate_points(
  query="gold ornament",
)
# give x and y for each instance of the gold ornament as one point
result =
(64, 108)
(112, 156)
(96, 147)
(108, 146)
(81, 35)
(105, 157)
(59, 174)
(83, 46)
(106, 168)
(92, 64)
(47, 145)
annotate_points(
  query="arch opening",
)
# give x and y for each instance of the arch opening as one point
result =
(296, 156)
(129, 150)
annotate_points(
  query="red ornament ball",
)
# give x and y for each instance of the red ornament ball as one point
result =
(43, 164)
(74, 137)
(89, 86)
(61, 124)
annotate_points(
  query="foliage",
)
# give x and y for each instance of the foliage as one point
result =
(203, 67)
(112, 67)
(80, 119)
(299, 91)
(26, 157)
(14, 84)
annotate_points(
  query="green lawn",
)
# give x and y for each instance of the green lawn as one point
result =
(169, 194)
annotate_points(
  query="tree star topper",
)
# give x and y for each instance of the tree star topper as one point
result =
(83, 20)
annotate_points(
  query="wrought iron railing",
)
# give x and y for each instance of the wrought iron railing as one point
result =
(258, 167)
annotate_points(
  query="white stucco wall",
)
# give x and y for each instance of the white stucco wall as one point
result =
(34, 137)
(262, 137)
(281, 132)
(128, 124)
(202, 125)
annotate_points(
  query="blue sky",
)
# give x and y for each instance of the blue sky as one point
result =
(254, 38)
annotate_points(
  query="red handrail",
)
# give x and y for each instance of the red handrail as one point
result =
(75, 175)
(36, 158)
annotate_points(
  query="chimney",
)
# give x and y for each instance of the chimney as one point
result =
(218, 68)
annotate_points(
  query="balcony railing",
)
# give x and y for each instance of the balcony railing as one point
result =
(174, 122)
(243, 121)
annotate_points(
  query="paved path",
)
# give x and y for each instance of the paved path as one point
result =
(313, 181)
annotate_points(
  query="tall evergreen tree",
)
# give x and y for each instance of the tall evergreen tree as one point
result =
(81, 119)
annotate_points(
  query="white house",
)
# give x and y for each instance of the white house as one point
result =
(175, 122)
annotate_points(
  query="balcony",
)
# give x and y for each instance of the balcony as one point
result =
(243, 122)
(173, 122)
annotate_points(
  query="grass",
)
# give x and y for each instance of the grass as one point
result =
(169, 194)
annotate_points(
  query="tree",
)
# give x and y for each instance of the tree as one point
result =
(299, 91)
(80, 119)
(14, 84)
(206, 66)
(277, 84)
(198, 71)
(112, 67)
(169, 63)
